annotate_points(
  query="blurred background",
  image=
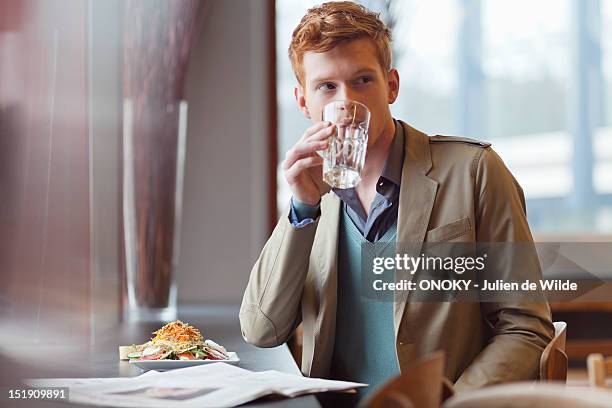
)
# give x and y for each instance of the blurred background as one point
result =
(140, 141)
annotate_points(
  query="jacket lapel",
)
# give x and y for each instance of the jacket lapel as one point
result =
(417, 197)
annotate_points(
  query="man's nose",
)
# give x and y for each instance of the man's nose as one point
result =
(346, 93)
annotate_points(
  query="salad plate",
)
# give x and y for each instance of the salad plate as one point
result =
(176, 345)
(162, 365)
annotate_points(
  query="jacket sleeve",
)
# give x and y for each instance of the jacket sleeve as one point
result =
(270, 309)
(520, 329)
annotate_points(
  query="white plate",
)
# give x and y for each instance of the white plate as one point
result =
(161, 365)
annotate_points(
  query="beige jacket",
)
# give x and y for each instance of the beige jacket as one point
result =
(452, 189)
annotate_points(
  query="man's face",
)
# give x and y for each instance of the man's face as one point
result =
(348, 71)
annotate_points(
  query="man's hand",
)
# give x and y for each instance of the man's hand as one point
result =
(303, 167)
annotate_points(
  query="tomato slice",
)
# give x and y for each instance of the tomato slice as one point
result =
(186, 355)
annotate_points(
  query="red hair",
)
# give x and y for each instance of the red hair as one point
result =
(325, 26)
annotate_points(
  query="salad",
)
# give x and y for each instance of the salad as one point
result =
(175, 341)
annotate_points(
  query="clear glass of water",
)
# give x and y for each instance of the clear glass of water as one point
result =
(344, 158)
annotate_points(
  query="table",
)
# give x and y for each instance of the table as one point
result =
(218, 323)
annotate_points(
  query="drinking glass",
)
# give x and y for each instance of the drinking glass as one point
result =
(343, 160)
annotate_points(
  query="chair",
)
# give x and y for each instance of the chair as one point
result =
(553, 362)
(598, 368)
(420, 386)
(532, 395)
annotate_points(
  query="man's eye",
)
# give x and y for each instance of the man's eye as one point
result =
(327, 86)
(364, 80)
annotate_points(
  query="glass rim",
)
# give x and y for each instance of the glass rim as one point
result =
(335, 101)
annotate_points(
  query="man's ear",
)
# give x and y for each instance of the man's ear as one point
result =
(393, 83)
(298, 92)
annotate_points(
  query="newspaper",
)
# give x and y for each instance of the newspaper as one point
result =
(211, 385)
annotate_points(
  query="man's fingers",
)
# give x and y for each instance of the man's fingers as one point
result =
(302, 164)
(302, 149)
(309, 147)
(314, 139)
(314, 129)
(321, 134)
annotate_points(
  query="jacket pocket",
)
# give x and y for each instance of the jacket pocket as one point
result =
(449, 231)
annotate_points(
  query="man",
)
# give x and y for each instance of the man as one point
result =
(414, 188)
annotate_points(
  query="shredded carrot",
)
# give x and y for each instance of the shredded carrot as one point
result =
(178, 333)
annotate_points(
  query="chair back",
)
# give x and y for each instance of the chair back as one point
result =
(420, 386)
(553, 362)
(532, 395)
